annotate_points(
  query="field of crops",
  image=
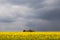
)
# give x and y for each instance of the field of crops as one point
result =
(29, 35)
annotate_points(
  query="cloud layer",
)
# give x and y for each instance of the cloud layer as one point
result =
(40, 15)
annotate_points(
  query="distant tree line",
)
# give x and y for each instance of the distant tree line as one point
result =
(28, 30)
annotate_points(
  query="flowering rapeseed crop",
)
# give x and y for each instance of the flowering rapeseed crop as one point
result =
(29, 35)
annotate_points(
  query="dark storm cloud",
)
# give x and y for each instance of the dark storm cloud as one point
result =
(7, 20)
(24, 1)
(49, 12)
(45, 26)
(30, 3)
(51, 15)
(44, 14)
(39, 8)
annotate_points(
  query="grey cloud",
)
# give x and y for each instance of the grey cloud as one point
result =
(18, 25)
(48, 10)
(24, 1)
(45, 11)
(52, 15)
(45, 26)
(36, 4)
(7, 20)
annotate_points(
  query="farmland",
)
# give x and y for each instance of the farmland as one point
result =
(29, 35)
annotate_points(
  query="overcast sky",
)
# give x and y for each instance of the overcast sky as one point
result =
(39, 15)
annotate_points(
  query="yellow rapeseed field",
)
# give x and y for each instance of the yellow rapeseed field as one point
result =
(29, 35)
